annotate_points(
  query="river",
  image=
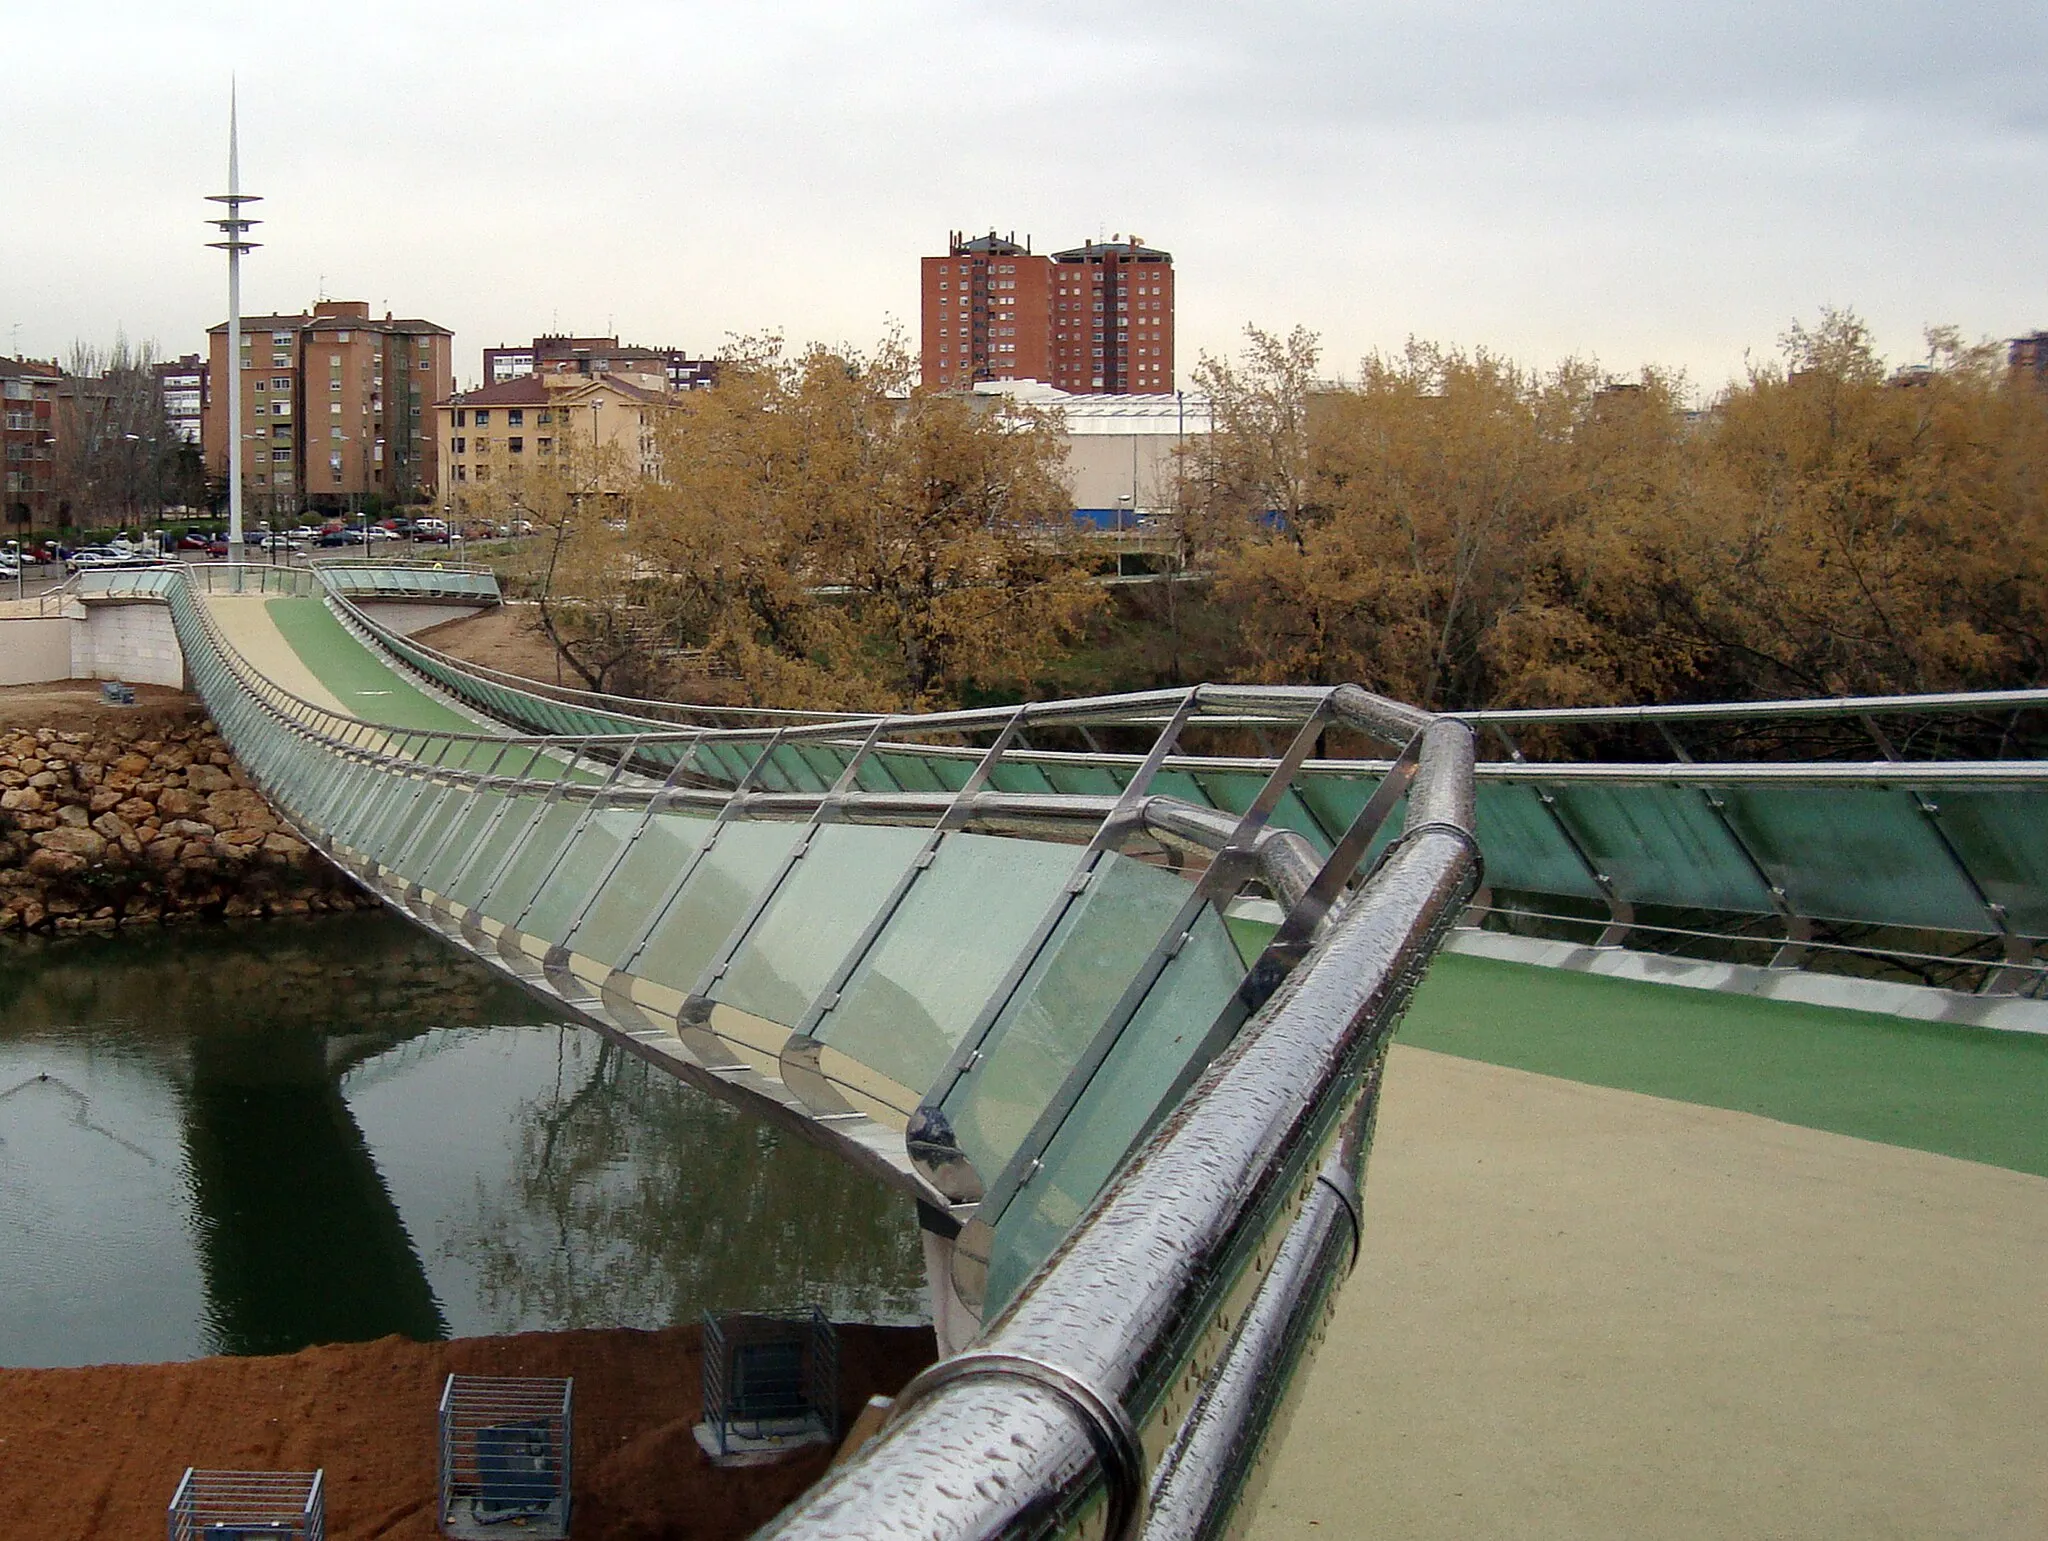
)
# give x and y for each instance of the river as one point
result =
(245, 1139)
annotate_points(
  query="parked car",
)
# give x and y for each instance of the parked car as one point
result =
(377, 532)
(218, 546)
(194, 540)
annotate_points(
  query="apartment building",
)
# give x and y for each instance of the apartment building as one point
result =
(183, 382)
(595, 430)
(1096, 318)
(336, 407)
(28, 444)
(555, 354)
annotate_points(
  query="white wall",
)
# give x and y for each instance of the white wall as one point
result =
(134, 642)
(35, 651)
(408, 616)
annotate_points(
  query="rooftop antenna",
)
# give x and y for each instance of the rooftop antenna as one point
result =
(235, 227)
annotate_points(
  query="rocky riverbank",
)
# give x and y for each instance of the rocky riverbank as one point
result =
(144, 819)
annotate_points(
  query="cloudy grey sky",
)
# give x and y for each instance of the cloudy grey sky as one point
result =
(1621, 179)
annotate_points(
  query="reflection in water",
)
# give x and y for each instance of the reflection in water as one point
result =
(247, 1140)
(299, 1240)
(635, 1200)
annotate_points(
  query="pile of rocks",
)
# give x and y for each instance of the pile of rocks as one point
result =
(99, 829)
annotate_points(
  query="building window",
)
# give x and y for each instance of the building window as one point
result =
(515, 417)
(460, 446)
(280, 409)
(483, 446)
(277, 361)
(483, 417)
(515, 445)
(545, 416)
(483, 473)
(544, 446)
(461, 418)
(462, 473)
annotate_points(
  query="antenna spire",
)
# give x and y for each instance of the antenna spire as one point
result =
(234, 226)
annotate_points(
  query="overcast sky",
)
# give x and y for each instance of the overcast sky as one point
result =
(1629, 181)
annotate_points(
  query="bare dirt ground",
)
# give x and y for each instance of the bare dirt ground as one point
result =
(75, 706)
(507, 637)
(98, 1452)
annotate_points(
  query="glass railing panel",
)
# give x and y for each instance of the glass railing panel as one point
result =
(1094, 953)
(911, 771)
(531, 866)
(2003, 839)
(826, 761)
(1179, 784)
(585, 863)
(441, 807)
(828, 899)
(406, 803)
(740, 863)
(468, 886)
(1236, 791)
(929, 974)
(444, 859)
(725, 760)
(1524, 847)
(1852, 853)
(1663, 845)
(626, 903)
(1083, 780)
(1019, 776)
(1122, 1099)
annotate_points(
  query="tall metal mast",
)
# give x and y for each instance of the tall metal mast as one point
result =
(235, 228)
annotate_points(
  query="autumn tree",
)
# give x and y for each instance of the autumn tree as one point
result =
(842, 539)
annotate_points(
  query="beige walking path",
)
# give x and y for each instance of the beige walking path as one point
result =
(245, 620)
(1589, 1313)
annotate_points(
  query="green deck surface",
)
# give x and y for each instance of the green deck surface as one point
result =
(360, 681)
(1959, 1091)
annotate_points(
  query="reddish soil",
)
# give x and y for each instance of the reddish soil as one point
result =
(97, 1452)
(506, 637)
(75, 706)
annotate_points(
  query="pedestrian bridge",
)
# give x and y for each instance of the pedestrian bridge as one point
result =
(1104, 986)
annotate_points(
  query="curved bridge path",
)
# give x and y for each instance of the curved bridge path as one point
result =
(1105, 987)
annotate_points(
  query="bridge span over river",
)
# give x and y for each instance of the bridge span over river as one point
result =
(1104, 986)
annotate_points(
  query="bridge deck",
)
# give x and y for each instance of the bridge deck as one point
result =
(1584, 1310)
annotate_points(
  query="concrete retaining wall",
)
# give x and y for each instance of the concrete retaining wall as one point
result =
(34, 652)
(134, 642)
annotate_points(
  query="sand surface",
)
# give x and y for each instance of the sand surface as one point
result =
(97, 1453)
(1584, 1312)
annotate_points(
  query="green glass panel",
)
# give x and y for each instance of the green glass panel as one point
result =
(1082, 780)
(1019, 776)
(530, 867)
(740, 863)
(444, 805)
(475, 818)
(1662, 845)
(627, 903)
(912, 771)
(410, 801)
(1094, 954)
(1856, 854)
(587, 860)
(1121, 1101)
(948, 946)
(2002, 835)
(826, 762)
(829, 897)
(1523, 846)
(1179, 784)
(873, 775)
(468, 888)
(726, 761)
(1237, 791)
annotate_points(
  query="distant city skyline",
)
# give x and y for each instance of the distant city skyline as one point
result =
(1589, 178)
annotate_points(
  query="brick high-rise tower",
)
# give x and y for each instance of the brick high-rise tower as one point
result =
(1094, 320)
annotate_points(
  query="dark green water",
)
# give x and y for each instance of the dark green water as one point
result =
(246, 1140)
